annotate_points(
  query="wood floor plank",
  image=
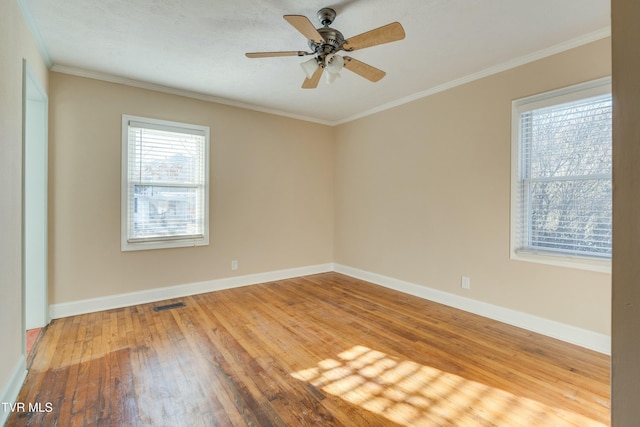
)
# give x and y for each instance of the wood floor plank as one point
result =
(321, 350)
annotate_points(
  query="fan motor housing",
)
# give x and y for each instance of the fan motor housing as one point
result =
(333, 41)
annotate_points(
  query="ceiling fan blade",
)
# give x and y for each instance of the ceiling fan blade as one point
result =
(389, 33)
(365, 70)
(312, 83)
(305, 27)
(273, 54)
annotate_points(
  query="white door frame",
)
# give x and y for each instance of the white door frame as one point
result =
(35, 304)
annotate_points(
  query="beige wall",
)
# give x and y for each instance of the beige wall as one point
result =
(423, 195)
(417, 196)
(625, 376)
(271, 192)
(16, 44)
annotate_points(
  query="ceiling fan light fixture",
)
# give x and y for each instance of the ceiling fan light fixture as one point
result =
(332, 77)
(309, 67)
(333, 63)
(326, 41)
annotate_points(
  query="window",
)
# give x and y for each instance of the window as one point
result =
(165, 184)
(561, 183)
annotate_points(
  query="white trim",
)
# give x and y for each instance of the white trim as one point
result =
(561, 47)
(516, 62)
(571, 93)
(133, 298)
(571, 334)
(126, 186)
(580, 263)
(35, 309)
(96, 75)
(11, 390)
(35, 31)
(576, 92)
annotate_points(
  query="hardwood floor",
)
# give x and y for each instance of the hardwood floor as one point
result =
(322, 350)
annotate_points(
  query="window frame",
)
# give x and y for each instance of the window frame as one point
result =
(554, 97)
(168, 241)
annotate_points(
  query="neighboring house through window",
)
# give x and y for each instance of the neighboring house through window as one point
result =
(165, 184)
(561, 177)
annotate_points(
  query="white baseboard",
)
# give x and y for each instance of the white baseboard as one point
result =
(10, 392)
(133, 298)
(582, 337)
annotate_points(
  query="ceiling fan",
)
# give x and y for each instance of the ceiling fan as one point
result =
(325, 42)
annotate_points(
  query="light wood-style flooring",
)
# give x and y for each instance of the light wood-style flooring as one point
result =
(321, 350)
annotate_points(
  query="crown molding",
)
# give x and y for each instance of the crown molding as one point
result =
(96, 75)
(35, 31)
(516, 62)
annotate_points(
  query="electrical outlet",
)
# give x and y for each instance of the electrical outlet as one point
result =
(465, 282)
(234, 264)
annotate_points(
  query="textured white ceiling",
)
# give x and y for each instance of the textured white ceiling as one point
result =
(199, 45)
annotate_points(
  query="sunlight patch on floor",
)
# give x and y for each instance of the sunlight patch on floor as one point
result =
(408, 393)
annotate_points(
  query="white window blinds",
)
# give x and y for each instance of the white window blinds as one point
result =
(564, 177)
(166, 183)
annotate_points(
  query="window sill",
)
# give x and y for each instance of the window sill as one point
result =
(166, 244)
(581, 263)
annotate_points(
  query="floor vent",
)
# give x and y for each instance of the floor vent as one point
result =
(168, 306)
